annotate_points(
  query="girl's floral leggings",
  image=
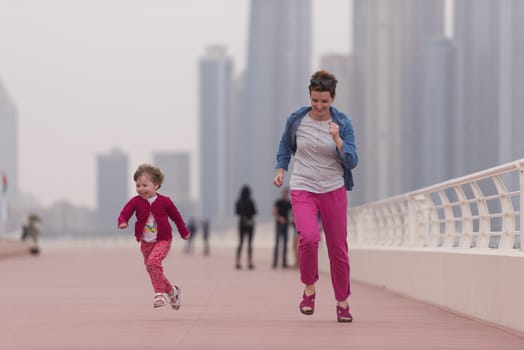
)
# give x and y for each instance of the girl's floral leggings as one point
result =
(154, 253)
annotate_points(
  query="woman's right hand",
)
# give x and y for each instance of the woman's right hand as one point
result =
(279, 179)
(122, 225)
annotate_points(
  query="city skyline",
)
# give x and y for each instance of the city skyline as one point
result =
(410, 94)
(94, 88)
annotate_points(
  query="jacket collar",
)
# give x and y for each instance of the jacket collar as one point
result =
(302, 111)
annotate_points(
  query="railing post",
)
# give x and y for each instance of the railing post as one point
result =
(412, 220)
(521, 208)
(358, 224)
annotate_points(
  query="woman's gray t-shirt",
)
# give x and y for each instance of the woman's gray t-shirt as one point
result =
(316, 168)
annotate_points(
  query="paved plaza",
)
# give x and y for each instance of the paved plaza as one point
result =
(99, 297)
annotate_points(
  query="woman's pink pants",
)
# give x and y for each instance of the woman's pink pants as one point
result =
(332, 207)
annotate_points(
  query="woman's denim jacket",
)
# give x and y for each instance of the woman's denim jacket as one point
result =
(288, 142)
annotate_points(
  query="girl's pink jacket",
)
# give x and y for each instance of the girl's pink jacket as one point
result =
(162, 209)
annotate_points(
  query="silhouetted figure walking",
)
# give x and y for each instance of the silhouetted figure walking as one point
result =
(246, 211)
(30, 231)
(193, 228)
(205, 235)
(281, 210)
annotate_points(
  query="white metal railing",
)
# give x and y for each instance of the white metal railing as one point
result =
(481, 210)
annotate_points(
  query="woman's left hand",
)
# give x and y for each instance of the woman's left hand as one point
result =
(333, 129)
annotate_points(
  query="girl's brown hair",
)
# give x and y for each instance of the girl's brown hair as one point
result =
(153, 172)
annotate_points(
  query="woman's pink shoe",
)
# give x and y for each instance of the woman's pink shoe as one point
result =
(343, 314)
(307, 305)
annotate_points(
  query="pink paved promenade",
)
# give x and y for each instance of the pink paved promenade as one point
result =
(94, 298)
(13, 247)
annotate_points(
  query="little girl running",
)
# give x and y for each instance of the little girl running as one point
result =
(153, 230)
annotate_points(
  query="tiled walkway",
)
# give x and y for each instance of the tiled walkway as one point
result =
(94, 298)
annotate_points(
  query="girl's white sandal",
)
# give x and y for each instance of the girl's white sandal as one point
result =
(161, 299)
(175, 298)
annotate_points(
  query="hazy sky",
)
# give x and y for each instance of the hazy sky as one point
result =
(91, 75)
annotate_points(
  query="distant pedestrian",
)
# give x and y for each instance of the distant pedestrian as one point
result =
(153, 230)
(205, 235)
(193, 228)
(31, 232)
(246, 210)
(321, 139)
(295, 238)
(281, 210)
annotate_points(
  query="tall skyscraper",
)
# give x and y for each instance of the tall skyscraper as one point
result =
(8, 143)
(511, 82)
(176, 167)
(217, 133)
(513, 76)
(113, 187)
(489, 35)
(276, 80)
(478, 32)
(437, 137)
(387, 37)
(236, 147)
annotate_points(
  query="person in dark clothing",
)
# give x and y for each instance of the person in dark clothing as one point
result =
(193, 228)
(31, 231)
(205, 235)
(281, 210)
(246, 211)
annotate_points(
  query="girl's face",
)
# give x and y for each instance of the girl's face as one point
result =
(145, 187)
(320, 103)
